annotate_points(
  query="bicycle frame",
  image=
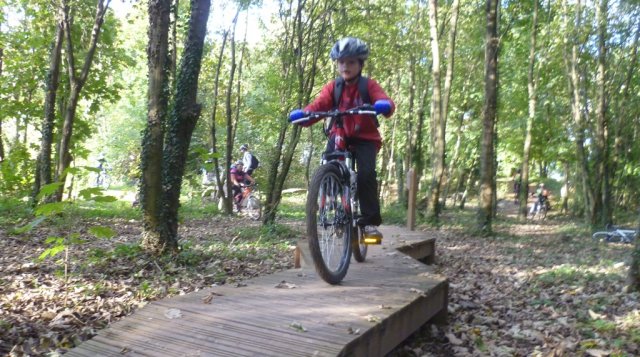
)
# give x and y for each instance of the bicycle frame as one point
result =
(624, 235)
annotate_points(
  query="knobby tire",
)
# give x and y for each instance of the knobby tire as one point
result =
(329, 224)
(253, 208)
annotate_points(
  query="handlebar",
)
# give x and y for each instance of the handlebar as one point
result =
(380, 107)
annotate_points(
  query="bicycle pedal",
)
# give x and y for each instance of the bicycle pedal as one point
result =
(371, 240)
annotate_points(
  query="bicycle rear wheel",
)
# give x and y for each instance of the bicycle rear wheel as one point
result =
(329, 224)
(253, 208)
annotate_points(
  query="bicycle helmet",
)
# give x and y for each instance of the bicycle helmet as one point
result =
(349, 47)
(244, 147)
(239, 163)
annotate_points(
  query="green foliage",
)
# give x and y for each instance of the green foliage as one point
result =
(395, 214)
(16, 172)
(266, 234)
(13, 211)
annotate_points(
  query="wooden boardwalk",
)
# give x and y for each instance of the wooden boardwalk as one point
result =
(293, 313)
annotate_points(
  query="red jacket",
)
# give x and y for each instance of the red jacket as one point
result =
(355, 126)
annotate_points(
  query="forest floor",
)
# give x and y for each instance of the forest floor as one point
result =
(533, 289)
(539, 288)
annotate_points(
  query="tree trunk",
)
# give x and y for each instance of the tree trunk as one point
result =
(1, 142)
(228, 202)
(214, 146)
(633, 277)
(532, 84)
(174, 44)
(184, 115)
(602, 179)
(300, 70)
(564, 192)
(487, 169)
(155, 236)
(437, 123)
(623, 125)
(571, 64)
(76, 82)
(43, 164)
(446, 95)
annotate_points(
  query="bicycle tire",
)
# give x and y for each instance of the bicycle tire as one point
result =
(329, 224)
(606, 236)
(359, 249)
(104, 181)
(253, 208)
(542, 213)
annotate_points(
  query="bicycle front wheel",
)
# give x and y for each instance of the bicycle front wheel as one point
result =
(253, 208)
(329, 224)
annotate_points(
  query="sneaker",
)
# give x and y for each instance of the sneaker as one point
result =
(371, 235)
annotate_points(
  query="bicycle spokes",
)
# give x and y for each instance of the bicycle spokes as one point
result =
(332, 222)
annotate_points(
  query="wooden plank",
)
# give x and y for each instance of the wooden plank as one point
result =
(385, 299)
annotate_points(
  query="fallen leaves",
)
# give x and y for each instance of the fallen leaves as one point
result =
(284, 285)
(111, 278)
(297, 326)
(173, 314)
(527, 292)
(207, 299)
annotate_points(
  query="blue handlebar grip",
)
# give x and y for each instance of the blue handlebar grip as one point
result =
(382, 106)
(296, 114)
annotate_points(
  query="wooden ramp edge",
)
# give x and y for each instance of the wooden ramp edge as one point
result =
(379, 304)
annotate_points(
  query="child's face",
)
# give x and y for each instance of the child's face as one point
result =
(349, 68)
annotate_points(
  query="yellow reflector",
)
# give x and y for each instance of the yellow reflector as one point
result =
(372, 241)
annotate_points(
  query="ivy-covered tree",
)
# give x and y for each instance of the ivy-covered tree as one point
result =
(163, 159)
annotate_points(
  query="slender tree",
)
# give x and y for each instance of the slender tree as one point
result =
(571, 58)
(1, 142)
(532, 84)
(304, 40)
(76, 82)
(437, 122)
(440, 103)
(604, 213)
(229, 113)
(212, 125)
(487, 169)
(43, 171)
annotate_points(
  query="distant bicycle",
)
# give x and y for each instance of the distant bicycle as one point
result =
(540, 211)
(103, 179)
(615, 234)
(250, 204)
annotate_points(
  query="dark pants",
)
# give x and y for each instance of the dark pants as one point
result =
(365, 155)
(237, 193)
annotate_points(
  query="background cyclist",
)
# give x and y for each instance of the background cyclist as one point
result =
(239, 178)
(249, 161)
(361, 131)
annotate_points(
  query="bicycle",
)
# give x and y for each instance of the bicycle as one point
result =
(249, 203)
(615, 234)
(332, 207)
(103, 180)
(540, 210)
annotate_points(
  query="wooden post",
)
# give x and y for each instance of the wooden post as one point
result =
(412, 185)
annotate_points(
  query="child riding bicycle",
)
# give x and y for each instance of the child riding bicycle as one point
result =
(542, 198)
(361, 131)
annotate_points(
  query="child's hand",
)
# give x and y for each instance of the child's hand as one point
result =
(297, 116)
(382, 106)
